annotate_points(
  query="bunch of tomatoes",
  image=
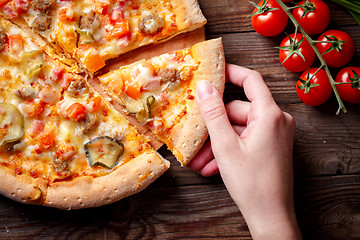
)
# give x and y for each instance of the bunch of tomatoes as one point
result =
(296, 54)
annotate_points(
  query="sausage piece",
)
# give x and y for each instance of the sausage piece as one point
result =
(77, 88)
(42, 22)
(26, 93)
(168, 74)
(87, 20)
(42, 5)
(90, 121)
(2, 39)
(151, 24)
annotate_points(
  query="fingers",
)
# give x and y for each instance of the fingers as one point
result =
(213, 111)
(210, 169)
(239, 129)
(252, 82)
(204, 156)
(238, 111)
(204, 162)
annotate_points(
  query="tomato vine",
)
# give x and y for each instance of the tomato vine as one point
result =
(287, 10)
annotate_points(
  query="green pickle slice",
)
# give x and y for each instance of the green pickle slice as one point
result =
(104, 151)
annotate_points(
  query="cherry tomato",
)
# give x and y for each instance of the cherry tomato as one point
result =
(271, 22)
(287, 0)
(296, 63)
(343, 48)
(349, 92)
(317, 17)
(319, 87)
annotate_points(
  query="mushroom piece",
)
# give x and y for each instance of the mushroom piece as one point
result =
(11, 123)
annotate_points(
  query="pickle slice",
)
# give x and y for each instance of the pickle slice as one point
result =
(104, 151)
(145, 115)
(86, 37)
(11, 123)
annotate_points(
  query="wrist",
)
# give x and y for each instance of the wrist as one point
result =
(283, 226)
(278, 231)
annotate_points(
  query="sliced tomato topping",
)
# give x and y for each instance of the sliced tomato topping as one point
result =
(117, 85)
(120, 29)
(133, 92)
(91, 58)
(76, 111)
(96, 104)
(16, 43)
(46, 139)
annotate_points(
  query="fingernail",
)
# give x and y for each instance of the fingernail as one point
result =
(203, 90)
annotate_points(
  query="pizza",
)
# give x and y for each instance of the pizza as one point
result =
(160, 93)
(93, 31)
(62, 143)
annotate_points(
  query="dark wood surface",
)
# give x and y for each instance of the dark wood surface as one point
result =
(183, 205)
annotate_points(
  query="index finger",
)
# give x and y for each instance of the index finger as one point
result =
(252, 82)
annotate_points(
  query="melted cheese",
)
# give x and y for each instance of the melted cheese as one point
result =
(37, 161)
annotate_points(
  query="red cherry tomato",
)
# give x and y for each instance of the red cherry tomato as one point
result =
(349, 92)
(270, 23)
(295, 63)
(342, 53)
(319, 87)
(316, 20)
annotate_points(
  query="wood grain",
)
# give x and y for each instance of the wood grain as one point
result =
(329, 207)
(229, 16)
(183, 205)
(191, 212)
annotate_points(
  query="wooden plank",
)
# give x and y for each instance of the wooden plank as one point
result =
(197, 212)
(326, 143)
(256, 52)
(229, 16)
(329, 207)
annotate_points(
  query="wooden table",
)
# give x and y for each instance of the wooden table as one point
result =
(182, 204)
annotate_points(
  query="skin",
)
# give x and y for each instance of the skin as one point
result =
(251, 144)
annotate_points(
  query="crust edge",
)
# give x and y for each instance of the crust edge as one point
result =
(22, 188)
(129, 179)
(188, 15)
(193, 125)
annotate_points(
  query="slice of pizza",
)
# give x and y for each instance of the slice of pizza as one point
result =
(160, 93)
(94, 31)
(61, 143)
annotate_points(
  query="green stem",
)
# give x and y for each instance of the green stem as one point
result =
(348, 5)
(338, 83)
(355, 15)
(318, 54)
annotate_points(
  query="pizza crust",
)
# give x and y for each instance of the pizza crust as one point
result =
(130, 178)
(188, 136)
(22, 188)
(185, 139)
(188, 15)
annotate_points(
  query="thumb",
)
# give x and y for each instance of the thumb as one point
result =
(212, 109)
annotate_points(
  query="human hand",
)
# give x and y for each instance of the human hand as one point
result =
(251, 145)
